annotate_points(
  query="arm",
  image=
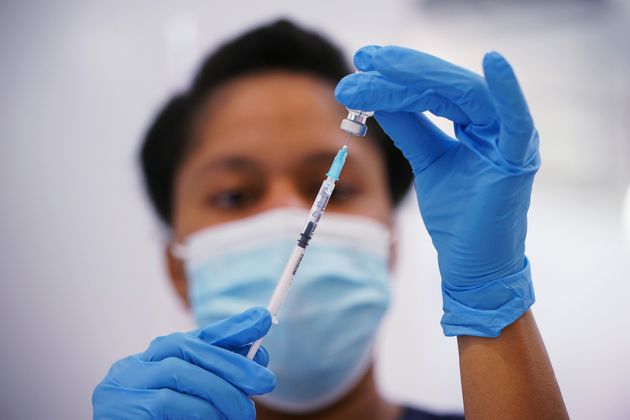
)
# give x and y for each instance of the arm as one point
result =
(509, 374)
(474, 193)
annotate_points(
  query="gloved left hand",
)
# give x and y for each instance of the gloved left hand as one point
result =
(474, 191)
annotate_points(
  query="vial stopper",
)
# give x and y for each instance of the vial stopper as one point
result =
(354, 123)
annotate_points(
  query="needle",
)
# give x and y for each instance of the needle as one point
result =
(348, 139)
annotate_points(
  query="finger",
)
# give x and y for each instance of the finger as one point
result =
(178, 375)
(247, 375)
(517, 127)
(111, 401)
(238, 330)
(363, 57)
(418, 138)
(261, 357)
(372, 92)
(421, 72)
(174, 405)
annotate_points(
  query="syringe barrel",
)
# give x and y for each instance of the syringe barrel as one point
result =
(317, 210)
(293, 263)
(280, 292)
(282, 287)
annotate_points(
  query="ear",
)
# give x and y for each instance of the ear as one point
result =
(178, 275)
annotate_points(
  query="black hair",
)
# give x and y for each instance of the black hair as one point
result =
(278, 46)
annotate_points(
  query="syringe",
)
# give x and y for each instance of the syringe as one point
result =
(354, 124)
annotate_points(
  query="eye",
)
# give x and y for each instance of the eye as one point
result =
(343, 193)
(233, 199)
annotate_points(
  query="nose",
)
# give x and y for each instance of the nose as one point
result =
(283, 192)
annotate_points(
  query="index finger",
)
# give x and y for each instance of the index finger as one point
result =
(236, 331)
(423, 72)
(245, 374)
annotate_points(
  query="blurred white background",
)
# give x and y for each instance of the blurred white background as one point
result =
(83, 282)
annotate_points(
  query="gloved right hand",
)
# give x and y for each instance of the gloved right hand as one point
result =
(473, 190)
(201, 374)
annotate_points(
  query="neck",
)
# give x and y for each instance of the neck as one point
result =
(362, 402)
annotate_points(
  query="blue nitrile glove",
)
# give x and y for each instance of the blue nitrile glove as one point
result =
(198, 375)
(473, 191)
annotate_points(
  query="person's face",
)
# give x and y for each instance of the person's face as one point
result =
(265, 141)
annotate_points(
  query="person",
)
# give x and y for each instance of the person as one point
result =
(232, 166)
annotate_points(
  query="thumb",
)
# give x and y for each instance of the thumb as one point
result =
(420, 141)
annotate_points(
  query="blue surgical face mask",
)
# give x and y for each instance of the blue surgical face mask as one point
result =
(321, 346)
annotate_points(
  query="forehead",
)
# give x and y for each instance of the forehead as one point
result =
(274, 115)
(279, 91)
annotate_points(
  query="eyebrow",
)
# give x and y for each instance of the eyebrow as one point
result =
(239, 163)
(326, 158)
(231, 163)
(319, 157)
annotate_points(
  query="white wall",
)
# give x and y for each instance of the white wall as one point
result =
(80, 255)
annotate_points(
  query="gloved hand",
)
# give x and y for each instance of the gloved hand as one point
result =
(199, 375)
(473, 191)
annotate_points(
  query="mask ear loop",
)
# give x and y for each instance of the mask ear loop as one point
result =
(394, 249)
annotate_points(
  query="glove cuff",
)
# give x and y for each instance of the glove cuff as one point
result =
(484, 310)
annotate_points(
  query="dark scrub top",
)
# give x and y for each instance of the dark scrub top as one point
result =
(417, 414)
